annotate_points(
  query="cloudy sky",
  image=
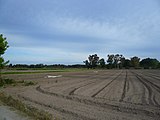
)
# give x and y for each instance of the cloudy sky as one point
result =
(67, 31)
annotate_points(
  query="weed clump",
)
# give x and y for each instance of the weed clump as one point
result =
(29, 83)
(6, 82)
(12, 82)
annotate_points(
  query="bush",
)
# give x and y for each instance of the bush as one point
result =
(13, 82)
(6, 81)
(9, 81)
(29, 83)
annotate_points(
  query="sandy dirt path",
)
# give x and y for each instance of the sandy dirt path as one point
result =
(8, 113)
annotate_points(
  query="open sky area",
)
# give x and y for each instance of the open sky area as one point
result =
(67, 31)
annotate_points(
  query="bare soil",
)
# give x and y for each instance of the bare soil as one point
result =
(93, 95)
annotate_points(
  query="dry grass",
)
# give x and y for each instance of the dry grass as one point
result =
(12, 82)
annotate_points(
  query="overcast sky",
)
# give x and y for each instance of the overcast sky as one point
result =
(67, 31)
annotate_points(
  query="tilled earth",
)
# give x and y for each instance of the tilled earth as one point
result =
(93, 95)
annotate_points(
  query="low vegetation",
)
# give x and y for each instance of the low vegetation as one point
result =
(7, 81)
(30, 111)
(28, 83)
(30, 71)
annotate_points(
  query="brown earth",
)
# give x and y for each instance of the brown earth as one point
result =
(93, 95)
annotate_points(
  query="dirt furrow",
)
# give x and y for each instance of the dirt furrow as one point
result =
(124, 89)
(71, 87)
(136, 92)
(114, 90)
(86, 106)
(155, 74)
(155, 86)
(155, 80)
(90, 89)
(151, 89)
(73, 91)
(93, 102)
(56, 108)
(95, 94)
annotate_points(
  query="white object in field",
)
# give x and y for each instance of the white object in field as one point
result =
(50, 76)
(95, 71)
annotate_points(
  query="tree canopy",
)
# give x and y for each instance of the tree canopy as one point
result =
(149, 63)
(135, 61)
(92, 61)
(3, 48)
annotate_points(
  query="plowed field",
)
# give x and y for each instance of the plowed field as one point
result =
(94, 95)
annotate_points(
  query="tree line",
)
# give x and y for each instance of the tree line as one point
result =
(43, 66)
(118, 61)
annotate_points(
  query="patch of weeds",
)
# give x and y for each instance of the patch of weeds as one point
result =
(28, 83)
(6, 82)
(12, 82)
(9, 81)
(21, 81)
(30, 111)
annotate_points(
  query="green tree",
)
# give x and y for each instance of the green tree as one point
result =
(118, 60)
(110, 59)
(127, 63)
(92, 61)
(102, 63)
(115, 60)
(158, 65)
(3, 48)
(87, 64)
(149, 63)
(122, 62)
(135, 61)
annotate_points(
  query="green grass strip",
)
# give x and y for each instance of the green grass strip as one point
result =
(34, 72)
(44, 71)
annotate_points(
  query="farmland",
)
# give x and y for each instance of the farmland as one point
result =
(92, 94)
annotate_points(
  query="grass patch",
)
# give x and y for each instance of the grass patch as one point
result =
(45, 71)
(9, 81)
(33, 72)
(5, 82)
(30, 111)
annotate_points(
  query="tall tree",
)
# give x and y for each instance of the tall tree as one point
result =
(87, 64)
(3, 48)
(127, 63)
(115, 60)
(110, 59)
(118, 60)
(102, 63)
(135, 61)
(158, 66)
(93, 61)
(122, 62)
